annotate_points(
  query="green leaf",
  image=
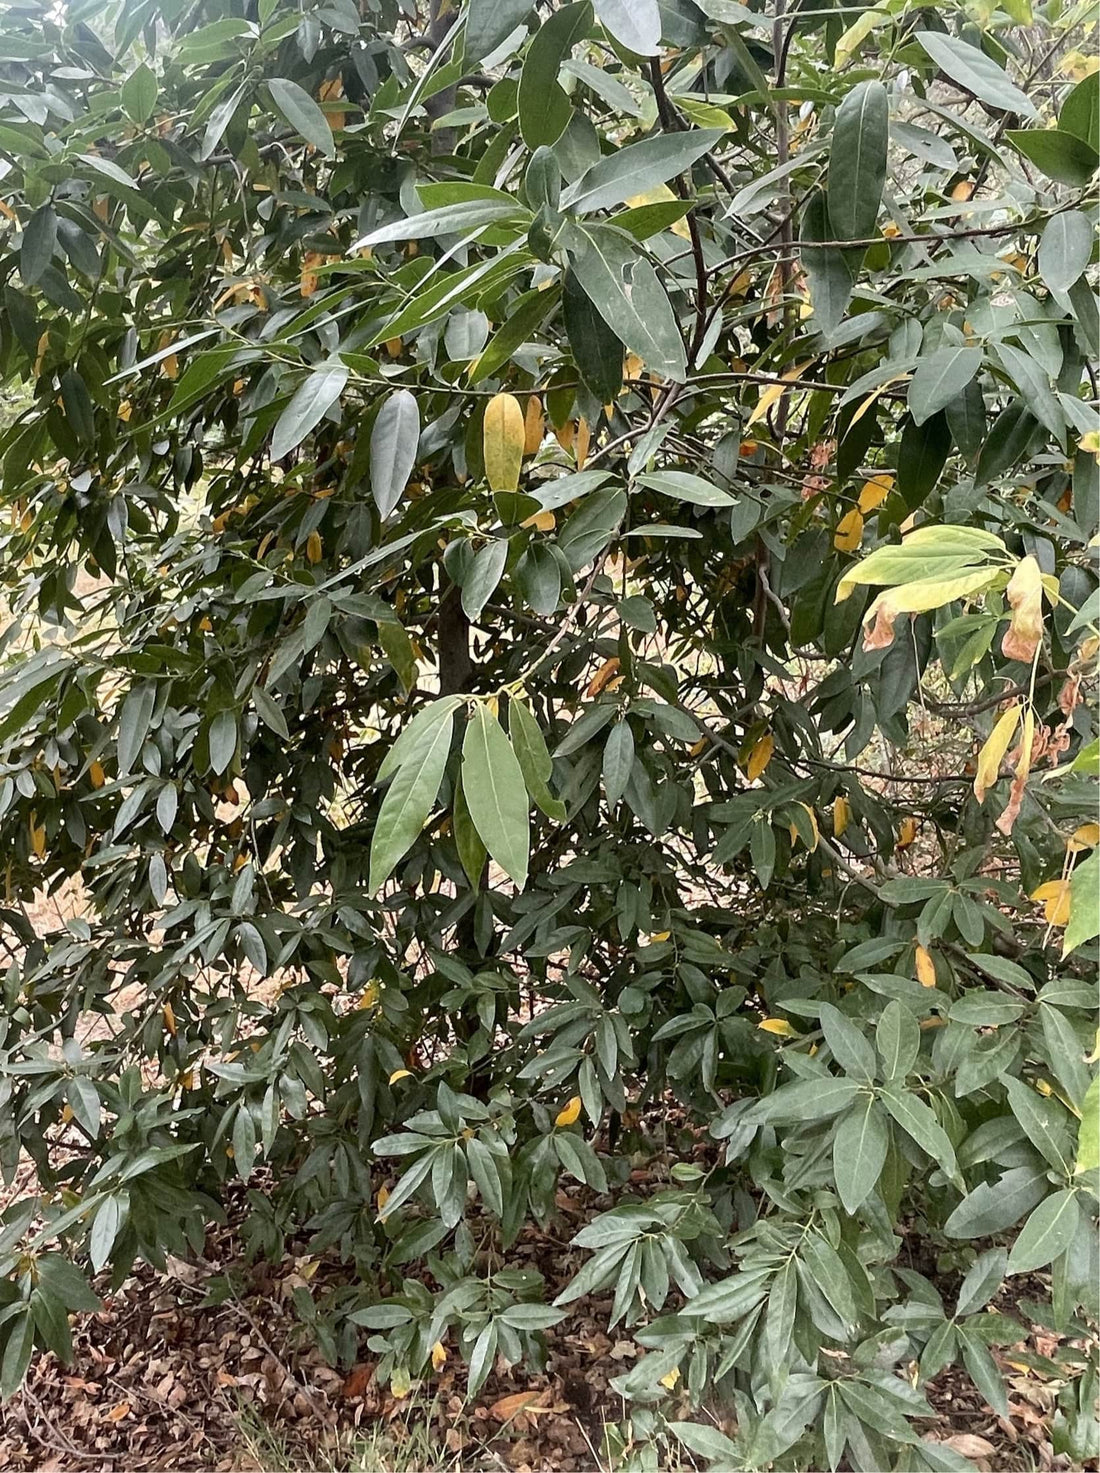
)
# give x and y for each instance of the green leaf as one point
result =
(831, 272)
(311, 402)
(484, 574)
(139, 95)
(412, 794)
(859, 1151)
(535, 762)
(393, 442)
(982, 1281)
(977, 73)
(638, 168)
(618, 761)
(983, 1371)
(635, 24)
(809, 1099)
(17, 1353)
(597, 351)
(223, 740)
(683, 487)
(39, 240)
(922, 456)
(1047, 1233)
(1061, 156)
(1065, 249)
(897, 1038)
(991, 1208)
(489, 23)
(1084, 904)
(940, 378)
(1088, 1136)
(706, 1441)
(847, 1044)
(1044, 1121)
(496, 794)
(1080, 113)
(625, 289)
(302, 113)
(471, 851)
(918, 1121)
(857, 161)
(133, 726)
(544, 107)
(418, 735)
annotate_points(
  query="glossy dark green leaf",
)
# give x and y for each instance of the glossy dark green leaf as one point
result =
(139, 94)
(940, 378)
(544, 107)
(637, 168)
(302, 113)
(496, 794)
(859, 1151)
(1061, 156)
(597, 351)
(857, 161)
(831, 271)
(1047, 1233)
(393, 441)
(411, 795)
(312, 400)
(39, 239)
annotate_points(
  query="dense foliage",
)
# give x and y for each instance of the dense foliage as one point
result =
(550, 558)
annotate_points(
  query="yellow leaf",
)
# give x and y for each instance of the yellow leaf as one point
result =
(382, 1198)
(570, 1113)
(1054, 897)
(993, 751)
(38, 836)
(1025, 597)
(774, 392)
(566, 434)
(96, 776)
(580, 449)
(813, 825)
(603, 676)
(907, 832)
(849, 532)
(169, 1018)
(124, 411)
(671, 1378)
(400, 1383)
(1087, 836)
(393, 347)
(368, 998)
(962, 191)
(1090, 442)
(926, 968)
(400, 1074)
(534, 425)
(778, 1026)
(439, 1356)
(542, 521)
(503, 437)
(842, 815)
(760, 756)
(314, 547)
(874, 492)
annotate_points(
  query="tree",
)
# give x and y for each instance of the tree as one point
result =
(551, 566)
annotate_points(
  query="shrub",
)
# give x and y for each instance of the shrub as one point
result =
(551, 569)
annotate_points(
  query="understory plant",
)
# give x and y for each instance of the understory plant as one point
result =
(551, 613)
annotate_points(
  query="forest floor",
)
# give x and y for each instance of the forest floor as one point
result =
(163, 1378)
